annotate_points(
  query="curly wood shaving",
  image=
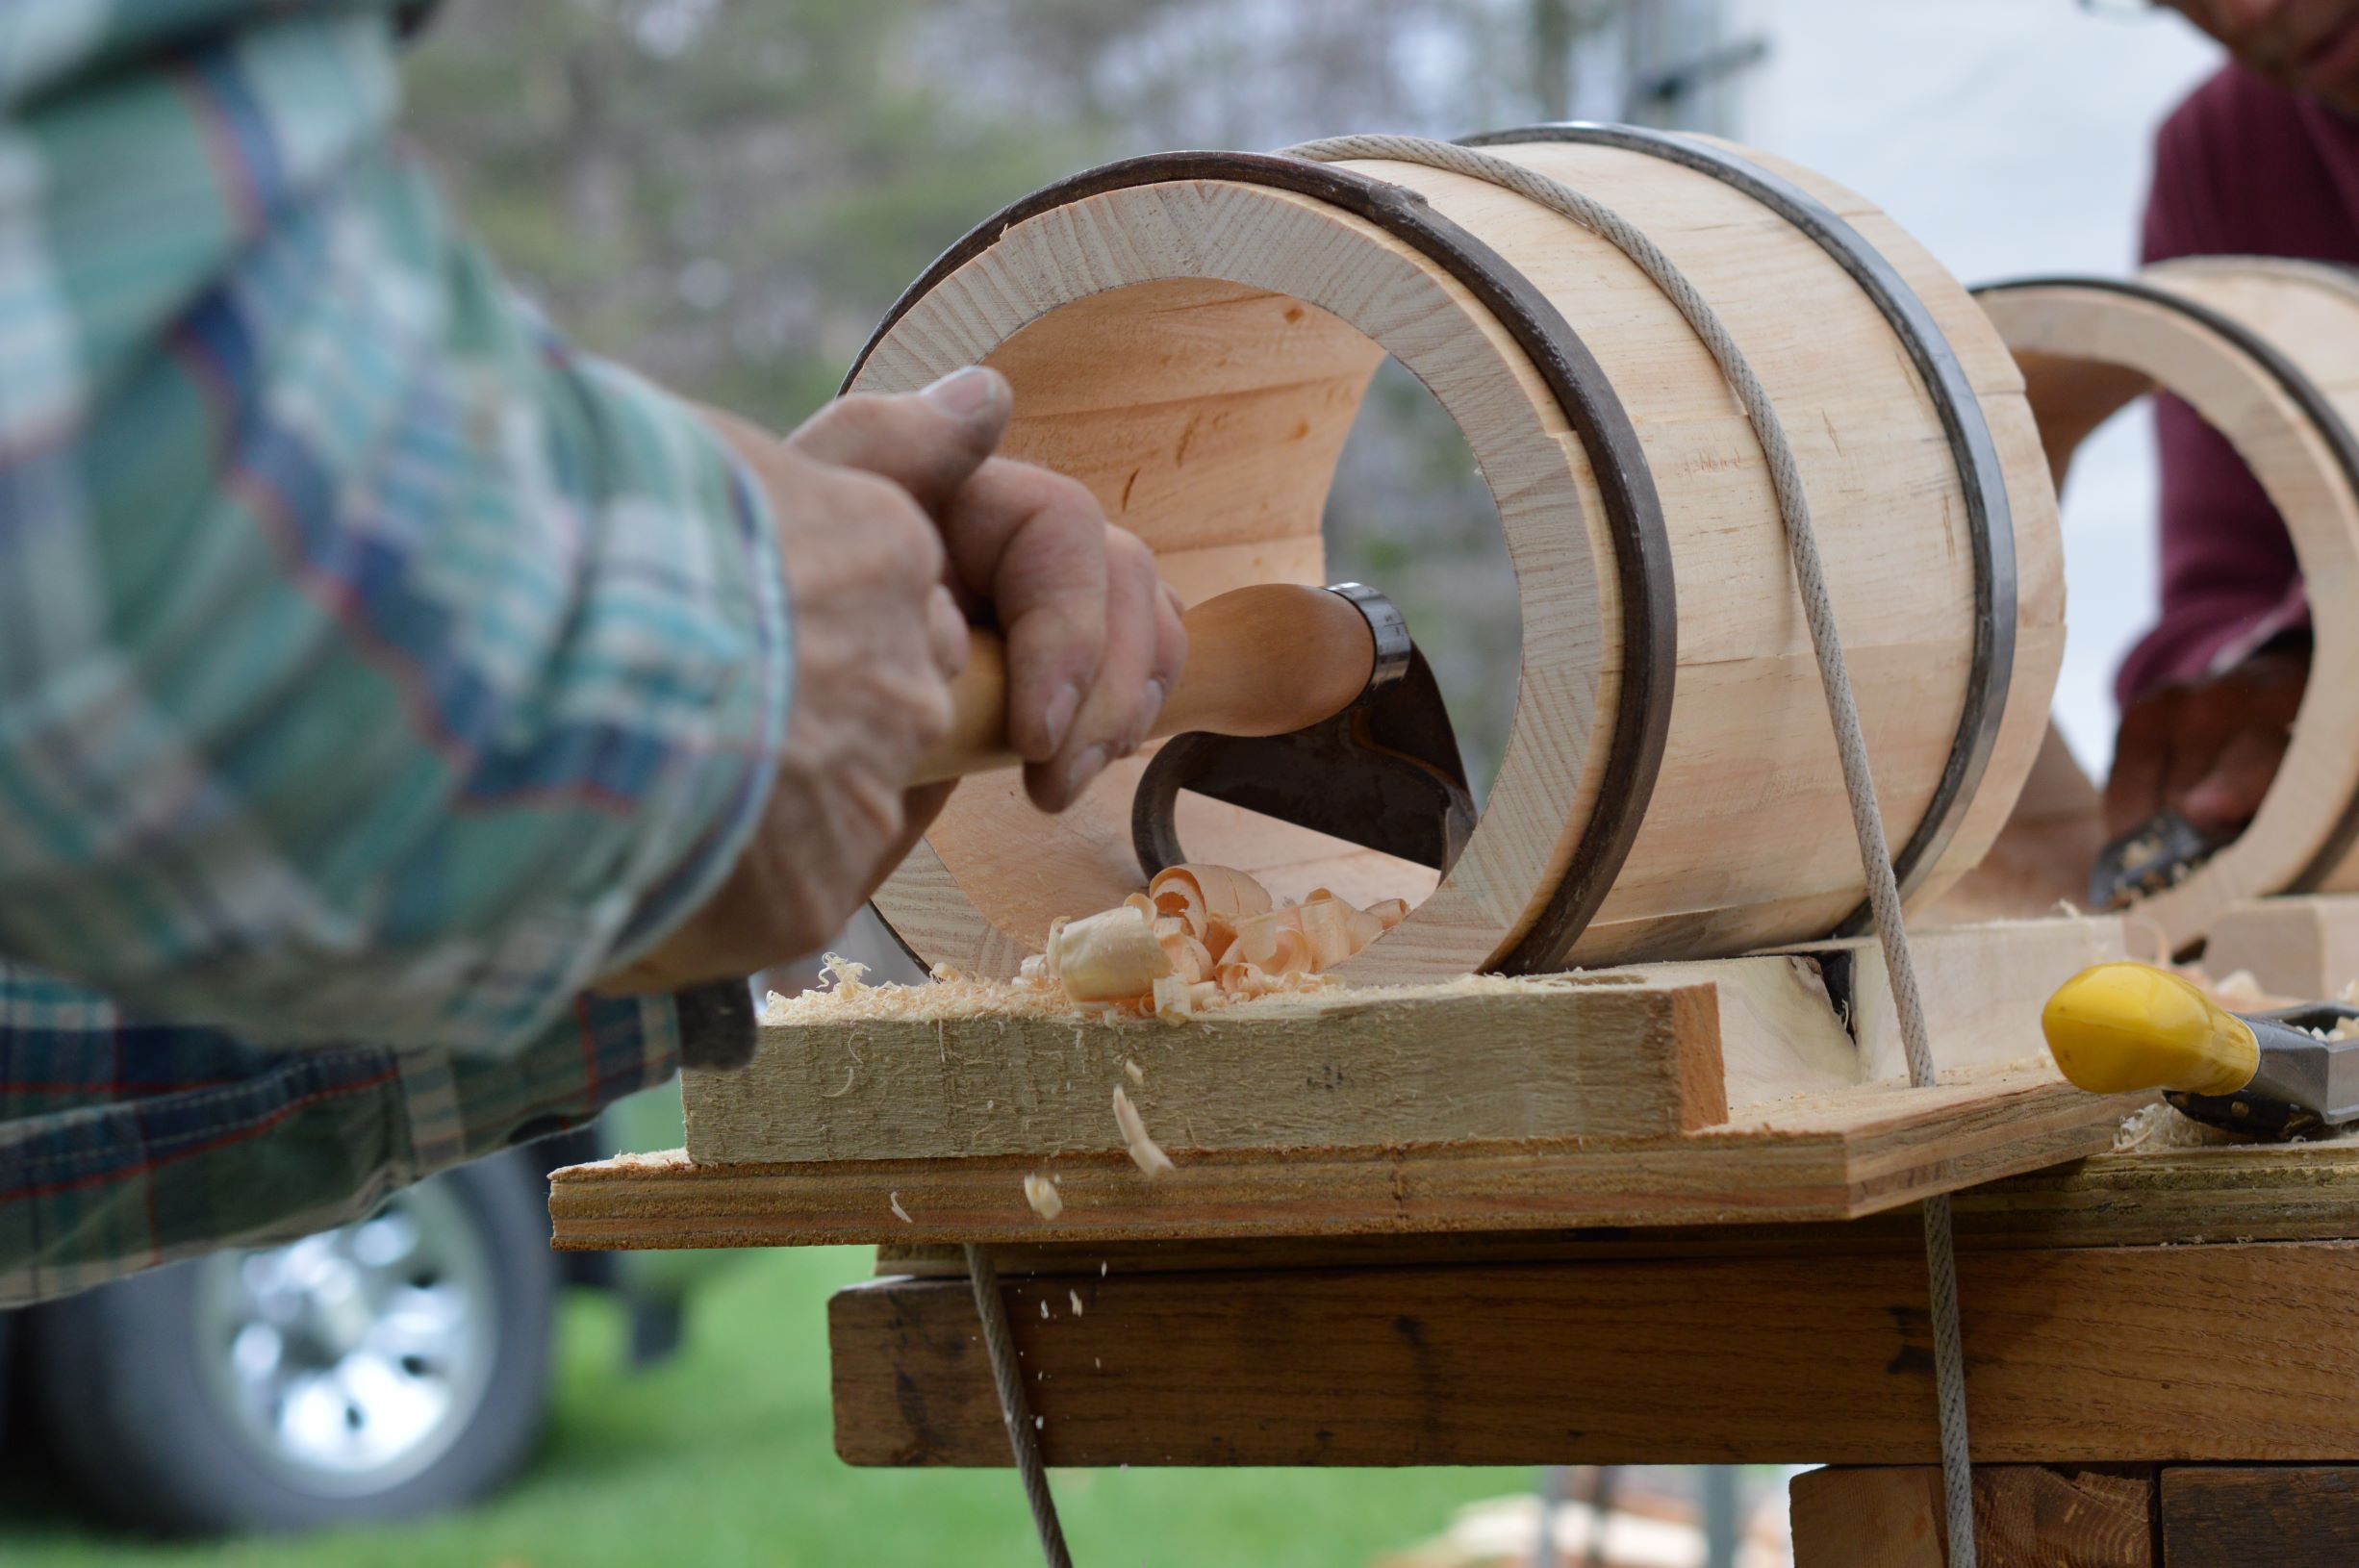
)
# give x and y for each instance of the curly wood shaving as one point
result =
(845, 975)
(1110, 956)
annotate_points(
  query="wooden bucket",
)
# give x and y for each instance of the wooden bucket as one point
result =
(1190, 335)
(2268, 352)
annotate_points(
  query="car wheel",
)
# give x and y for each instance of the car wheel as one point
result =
(390, 1367)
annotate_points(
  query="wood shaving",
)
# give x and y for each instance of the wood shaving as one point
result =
(1144, 1151)
(1042, 1194)
(2160, 1126)
(1075, 1297)
(1200, 938)
(1135, 1073)
(893, 1200)
(1110, 956)
(1175, 999)
(846, 975)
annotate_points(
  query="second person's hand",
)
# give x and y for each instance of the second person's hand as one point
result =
(2208, 749)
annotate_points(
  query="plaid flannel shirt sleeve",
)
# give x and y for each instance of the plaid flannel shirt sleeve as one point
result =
(373, 667)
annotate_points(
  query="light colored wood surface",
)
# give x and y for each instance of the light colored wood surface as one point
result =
(2106, 1354)
(1474, 1062)
(1828, 1157)
(2086, 353)
(1646, 1053)
(2041, 859)
(1194, 350)
(2025, 1516)
(2303, 947)
(1267, 659)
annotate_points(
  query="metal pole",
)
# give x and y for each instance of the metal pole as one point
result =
(1720, 1515)
(1556, 1485)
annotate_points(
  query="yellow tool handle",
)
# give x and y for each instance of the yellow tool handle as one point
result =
(2118, 1027)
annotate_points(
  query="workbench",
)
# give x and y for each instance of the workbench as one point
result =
(2145, 1331)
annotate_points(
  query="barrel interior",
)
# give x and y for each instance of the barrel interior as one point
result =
(1209, 418)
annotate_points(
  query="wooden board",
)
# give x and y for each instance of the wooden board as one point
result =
(2025, 1516)
(1652, 1052)
(2118, 1516)
(1675, 1093)
(1481, 1060)
(1826, 1158)
(2178, 1197)
(2247, 1517)
(2104, 1355)
(2296, 946)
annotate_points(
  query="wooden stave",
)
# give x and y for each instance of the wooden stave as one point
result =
(1990, 673)
(1912, 467)
(1981, 476)
(2341, 836)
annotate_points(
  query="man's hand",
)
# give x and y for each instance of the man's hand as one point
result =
(2311, 46)
(895, 523)
(2206, 748)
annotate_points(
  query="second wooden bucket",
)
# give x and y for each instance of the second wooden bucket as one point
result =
(1191, 334)
(2266, 351)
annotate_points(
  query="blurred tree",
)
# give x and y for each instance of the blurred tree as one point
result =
(728, 193)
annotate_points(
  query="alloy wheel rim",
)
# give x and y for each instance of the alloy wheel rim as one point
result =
(350, 1361)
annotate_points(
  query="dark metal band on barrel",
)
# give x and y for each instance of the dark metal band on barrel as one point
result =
(1989, 520)
(2313, 403)
(1632, 511)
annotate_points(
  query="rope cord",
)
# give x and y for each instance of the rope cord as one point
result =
(1851, 744)
(1014, 1408)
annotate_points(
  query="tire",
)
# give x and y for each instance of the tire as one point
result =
(344, 1377)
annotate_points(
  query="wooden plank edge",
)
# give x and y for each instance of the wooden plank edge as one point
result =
(1911, 1146)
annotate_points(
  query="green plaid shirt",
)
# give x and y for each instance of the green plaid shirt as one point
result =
(374, 669)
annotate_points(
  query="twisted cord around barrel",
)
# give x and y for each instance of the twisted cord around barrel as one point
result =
(1835, 675)
(1000, 1343)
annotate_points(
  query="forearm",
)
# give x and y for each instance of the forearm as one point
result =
(374, 666)
(127, 1142)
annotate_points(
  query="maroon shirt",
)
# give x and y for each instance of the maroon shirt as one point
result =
(2243, 167)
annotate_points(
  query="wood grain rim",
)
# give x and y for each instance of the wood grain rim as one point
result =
(1583, 393)
(2305, 394)
(1973, 454)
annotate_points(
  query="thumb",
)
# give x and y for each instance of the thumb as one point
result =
(928, 443)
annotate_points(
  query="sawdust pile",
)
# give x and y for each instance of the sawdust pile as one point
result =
(1200, 937)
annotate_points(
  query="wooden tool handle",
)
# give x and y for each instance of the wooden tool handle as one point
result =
(1267, 660)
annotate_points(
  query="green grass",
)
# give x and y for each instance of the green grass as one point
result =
(723, 1456)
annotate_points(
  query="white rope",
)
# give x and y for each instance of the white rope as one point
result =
(1023, 1433)
(1826, 641)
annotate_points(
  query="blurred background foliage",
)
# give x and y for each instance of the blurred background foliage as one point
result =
(728, 194)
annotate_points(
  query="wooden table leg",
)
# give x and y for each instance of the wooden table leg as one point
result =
(2027, 1516)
